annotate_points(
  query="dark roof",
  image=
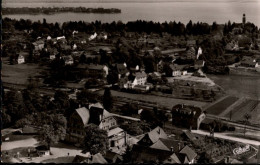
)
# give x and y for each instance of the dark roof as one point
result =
(199, 62)
(111, 156)
(188, 109)
(42, 148)
(97, 158)
(121, 69)
(95, 67)
(176, 67)
(189, 135)
(142, 154)
(191, 42)
(168, 144)
(79, 159)
(248, 61)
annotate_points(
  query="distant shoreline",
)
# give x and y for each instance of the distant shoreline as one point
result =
(54, 10)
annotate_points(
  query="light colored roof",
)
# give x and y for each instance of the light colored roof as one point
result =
(97, 105)
(189, 152)
(140, 74)
(156, 134)
(114, 131)
(106, 114)
(98, 158)
(84, 115)
(159, 145)
(174, 159)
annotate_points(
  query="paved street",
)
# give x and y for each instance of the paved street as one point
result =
(223, 136)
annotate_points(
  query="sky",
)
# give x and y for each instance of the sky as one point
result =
(73, 1)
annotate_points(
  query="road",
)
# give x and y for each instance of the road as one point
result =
(224, 136)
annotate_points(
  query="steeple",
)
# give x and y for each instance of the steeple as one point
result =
(244, 18)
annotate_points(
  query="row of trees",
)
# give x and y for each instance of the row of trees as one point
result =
(174, 28)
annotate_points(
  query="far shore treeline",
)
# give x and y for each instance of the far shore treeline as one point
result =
(54, 10)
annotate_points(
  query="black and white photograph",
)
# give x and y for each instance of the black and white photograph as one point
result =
(130, 81)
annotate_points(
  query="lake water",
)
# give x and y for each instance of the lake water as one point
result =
(208, 11)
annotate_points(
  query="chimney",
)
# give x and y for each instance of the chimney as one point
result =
(172, 149)
(182, 105)
(179, 146)
(100, 117)
(79, 105)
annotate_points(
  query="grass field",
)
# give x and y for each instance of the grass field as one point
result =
(219, 107)
(164, 101)
(248, 106)
(19, 73)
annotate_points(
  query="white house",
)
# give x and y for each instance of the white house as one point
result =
(68, 60)
(38, 45)
(138, 78)
(199, 52)
(92, 37)
(62, 37)
(20, 59)
(49, 38)
(74, 47)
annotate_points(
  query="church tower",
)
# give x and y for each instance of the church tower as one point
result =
(244, 19)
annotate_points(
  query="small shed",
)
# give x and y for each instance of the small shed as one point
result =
(43, 150)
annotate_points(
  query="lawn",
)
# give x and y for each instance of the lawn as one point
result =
(64, 159)
(19, 73)
(219, 107)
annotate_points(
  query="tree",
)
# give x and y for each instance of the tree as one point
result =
(246, 117)
(107, 99)
(95, 140)
(22, 122)
(52, 128)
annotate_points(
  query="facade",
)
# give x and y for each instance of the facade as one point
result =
(20, 59)
(176, 70)
(97, 70)
(249, 62)
(189, 117)
(77, 123)
(135, 79)
(68, 60)
(117, 138)
(38, 45)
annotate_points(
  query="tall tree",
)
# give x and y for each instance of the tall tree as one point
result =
(96, 140)
(52, 128)
(246, 117)
(107, 99)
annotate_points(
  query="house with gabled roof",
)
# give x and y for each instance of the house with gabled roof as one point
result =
(187, 116)
(97, 70)
(168, 145)
(153, 136)
(187, 155)
(176, 70)
(249, 62)
(92, 159)
(38, 45)
(113, 157)
(77, 122)
(134, 79)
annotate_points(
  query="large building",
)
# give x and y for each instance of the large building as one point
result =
(187, 116)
